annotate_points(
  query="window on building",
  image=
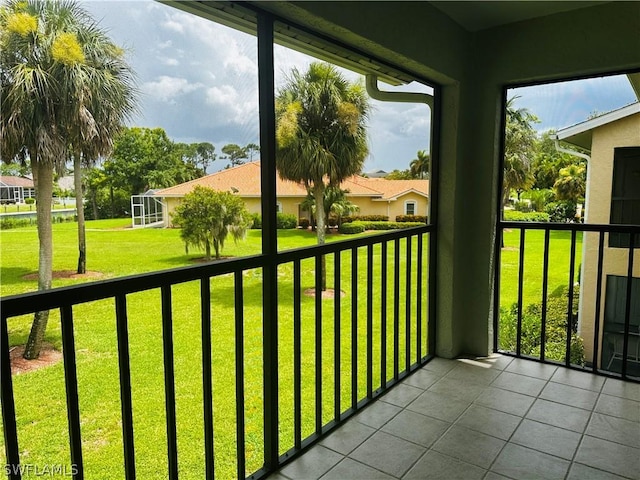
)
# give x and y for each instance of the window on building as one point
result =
(410, 208)
(278, 207)
(625, 194)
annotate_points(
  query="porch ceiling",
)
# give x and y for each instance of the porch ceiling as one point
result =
(481, 15)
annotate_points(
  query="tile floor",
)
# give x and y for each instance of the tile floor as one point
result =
(492, 418)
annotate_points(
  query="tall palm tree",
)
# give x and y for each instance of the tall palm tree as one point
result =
(102, 95)
(42, 55)
(519, 148)
(321, 133)
(419, 166)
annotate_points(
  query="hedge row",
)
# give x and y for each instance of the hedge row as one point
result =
(515, 216)
(411, 218)
(365, 218)
(361, 226)
(284, 221)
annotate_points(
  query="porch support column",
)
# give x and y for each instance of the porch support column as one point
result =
(467, 205)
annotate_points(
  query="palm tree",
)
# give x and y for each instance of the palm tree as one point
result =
(102, 95)
(320, 133)
(571, 184)
(419, 166)
(335, 201)
(42, 56)
(520, 141)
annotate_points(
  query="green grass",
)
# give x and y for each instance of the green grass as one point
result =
(114, 251)
(559, 263)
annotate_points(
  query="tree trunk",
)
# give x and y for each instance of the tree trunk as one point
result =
(207, 251)
(318, 193)
(43, 180)
(82, 242)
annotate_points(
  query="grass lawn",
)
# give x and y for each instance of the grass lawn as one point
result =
(559, 258)
(113, 251)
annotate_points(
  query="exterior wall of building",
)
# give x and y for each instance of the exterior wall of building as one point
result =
(393, 208)
(291, 205)
(622, 133)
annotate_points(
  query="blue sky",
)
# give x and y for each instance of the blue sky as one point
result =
(198, 81)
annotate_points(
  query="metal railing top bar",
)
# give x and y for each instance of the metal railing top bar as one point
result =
(580, 227)
(26, 303)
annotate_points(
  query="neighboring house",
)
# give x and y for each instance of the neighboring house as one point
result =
(16, 189)
(374, 196)
(612, 196)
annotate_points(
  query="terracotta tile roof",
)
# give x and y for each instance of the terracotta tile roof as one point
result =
(245, 181)
(11, 181)
(392, 189)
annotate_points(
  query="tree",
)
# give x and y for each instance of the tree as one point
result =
(548, 162)
(399, 175)
(105, 96)
(146, 158)
(320, 133)
(520, 141)
(207, 217)
(571, 183)
(45, 53)
(251, 149)
(335, 201)
(235, 154)
(205, 155)
(419, 166)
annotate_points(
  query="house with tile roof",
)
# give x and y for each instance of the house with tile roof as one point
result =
(15, 189)
(374, 196)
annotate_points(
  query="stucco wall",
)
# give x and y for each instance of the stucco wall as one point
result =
(290, 205)
(622, 133)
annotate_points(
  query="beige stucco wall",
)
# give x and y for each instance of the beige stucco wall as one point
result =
(390, 208)
(622, 133)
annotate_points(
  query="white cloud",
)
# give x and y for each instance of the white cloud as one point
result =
(166, 88)
(173, 25)
(234, 106)
(172, 62)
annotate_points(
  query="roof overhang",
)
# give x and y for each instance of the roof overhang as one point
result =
(581, 134)
(243, 17)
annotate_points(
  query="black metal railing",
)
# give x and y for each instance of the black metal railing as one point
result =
(557, 300)
(388, 303)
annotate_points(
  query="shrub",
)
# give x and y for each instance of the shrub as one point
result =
(29, 201)
(556, 328)
(561, 212)
(379, 226)
(304, 223)
(513, 216)
(522, 206)
(411, 218)
(365, 218)
(351, 228)
(256, 221)
(286, 221)
(539, 198)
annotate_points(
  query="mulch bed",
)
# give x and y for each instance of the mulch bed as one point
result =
(48, 356)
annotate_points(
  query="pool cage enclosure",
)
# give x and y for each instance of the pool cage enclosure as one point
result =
(147, 210)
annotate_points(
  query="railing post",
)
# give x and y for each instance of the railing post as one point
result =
(266, 89)
(8, 406)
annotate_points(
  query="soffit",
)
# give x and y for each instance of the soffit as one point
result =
(474, 16)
